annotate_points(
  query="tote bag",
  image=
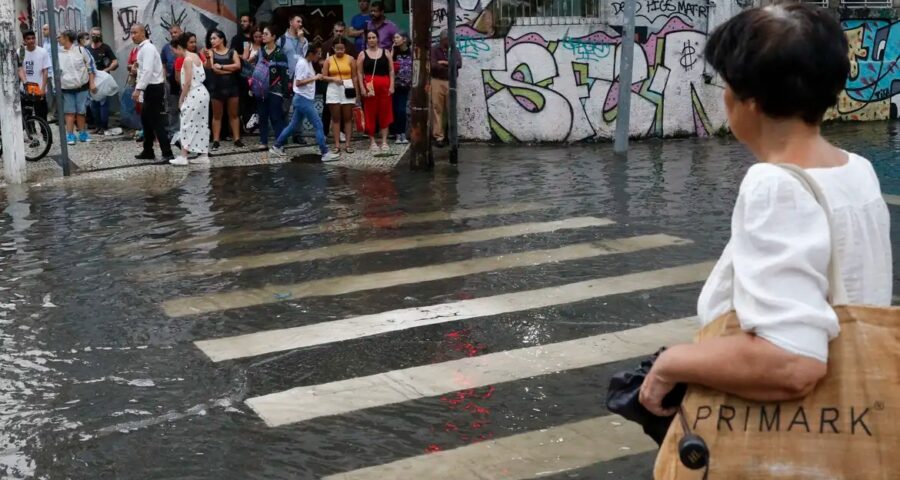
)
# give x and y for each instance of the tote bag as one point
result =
(847, 428)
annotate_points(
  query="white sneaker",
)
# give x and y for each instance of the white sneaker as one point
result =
(330, 157)
(385, 148)
(112, 132)
(277, 151)
(201, 160)
(343, 137)
(179, 161)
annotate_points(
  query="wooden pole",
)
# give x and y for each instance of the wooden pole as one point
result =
(11, 131)
(421, 157)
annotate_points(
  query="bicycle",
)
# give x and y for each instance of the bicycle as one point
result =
(38, 135)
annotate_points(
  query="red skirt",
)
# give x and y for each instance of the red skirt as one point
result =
(379, 109)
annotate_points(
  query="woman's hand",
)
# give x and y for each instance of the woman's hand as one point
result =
(391, 90)
(654, 389)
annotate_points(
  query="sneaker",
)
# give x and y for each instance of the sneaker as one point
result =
(83, 137)
(405, 140)
(179, 161)
(238, 143)
(277, 151)
(253, 122)
(214, 146)
(203, 159)
(70, 138)
(112, 132)
(343, 137)
(330, 157)
(385, 148)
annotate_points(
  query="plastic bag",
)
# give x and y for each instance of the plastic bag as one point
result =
(106, 86)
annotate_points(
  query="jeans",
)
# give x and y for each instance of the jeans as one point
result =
(304, 108)
(270, 109)
(101, 113)
(401, 101)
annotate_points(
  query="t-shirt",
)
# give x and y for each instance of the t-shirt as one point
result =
(34, 63)
(294, 48)
(103, 56)
(385, 32)
(303, 71)
(359, 22)
(239, 42)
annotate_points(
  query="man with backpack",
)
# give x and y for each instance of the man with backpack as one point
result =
(269, 84)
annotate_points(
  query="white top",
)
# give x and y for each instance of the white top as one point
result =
(150, 68)
(75, 67)
(34, 63)
(774, 270)
(303, 71)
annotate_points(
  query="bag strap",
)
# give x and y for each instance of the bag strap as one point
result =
(837, 294)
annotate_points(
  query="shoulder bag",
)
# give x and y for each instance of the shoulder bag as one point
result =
(349, 92)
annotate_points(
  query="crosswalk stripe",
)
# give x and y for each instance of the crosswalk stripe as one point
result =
(520, 456)
(269, 294)
(344, 396)
(271, 341)
(346, 225)
(892, 199)
(246, 262)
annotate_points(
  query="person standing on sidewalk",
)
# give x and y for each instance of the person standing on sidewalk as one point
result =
(357, 30)
(242, 43)
(295, 46)
(193, 104)
(349, 47)
(150, 92)
(104, 60)
(440, 85)
(270, 108)
(339, 71)
(225, 64)
(403, 66)
(77, 81)
(304, 85)
(34, 67)
(376, 76)
(384, 28)
(173, 91)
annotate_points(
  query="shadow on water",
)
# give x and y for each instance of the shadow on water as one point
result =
(97, 382)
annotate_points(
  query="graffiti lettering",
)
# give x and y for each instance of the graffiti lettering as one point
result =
(127, 17)
(664, 7)
(471, 47)
(585, 51)
(688, 56)
(439, 16)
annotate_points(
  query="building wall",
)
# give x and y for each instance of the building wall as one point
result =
(78, 15)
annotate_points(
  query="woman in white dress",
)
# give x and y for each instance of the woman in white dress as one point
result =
(194, 106)
(783, 67)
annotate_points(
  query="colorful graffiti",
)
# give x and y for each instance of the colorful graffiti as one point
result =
(560, 84)
(77, 15)
(873, 88)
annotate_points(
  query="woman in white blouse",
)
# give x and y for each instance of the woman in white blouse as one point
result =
(783, 67)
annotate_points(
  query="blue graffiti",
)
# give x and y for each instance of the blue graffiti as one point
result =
(586, 51)
(471, 47)
(878, 75)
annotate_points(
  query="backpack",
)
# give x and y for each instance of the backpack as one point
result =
(259, 81)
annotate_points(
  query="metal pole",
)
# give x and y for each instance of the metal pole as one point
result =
(623, 116)
(451, 112)
(60, 113)
(420, 135)
(11, 130)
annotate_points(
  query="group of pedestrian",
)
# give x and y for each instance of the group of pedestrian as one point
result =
(194, 97)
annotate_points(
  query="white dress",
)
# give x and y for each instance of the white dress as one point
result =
(773, 271)
(194, 133)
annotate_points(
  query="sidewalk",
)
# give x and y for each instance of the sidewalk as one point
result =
(113, 158)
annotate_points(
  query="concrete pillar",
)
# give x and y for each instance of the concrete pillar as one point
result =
(11, 131)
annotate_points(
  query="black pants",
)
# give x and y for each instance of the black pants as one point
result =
(153, 119)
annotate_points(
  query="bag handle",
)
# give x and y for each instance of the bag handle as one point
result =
(837, 294)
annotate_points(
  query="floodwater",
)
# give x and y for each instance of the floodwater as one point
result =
(100, 377)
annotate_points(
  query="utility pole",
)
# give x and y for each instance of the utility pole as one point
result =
(452, 129)
(421, 157)
(57, 77)
(623, 117)
(11, 131)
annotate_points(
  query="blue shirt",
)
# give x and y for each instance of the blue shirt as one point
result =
(359, 22)
(168, 58)
(294, 48)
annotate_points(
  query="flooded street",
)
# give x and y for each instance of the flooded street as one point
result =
(305, 321)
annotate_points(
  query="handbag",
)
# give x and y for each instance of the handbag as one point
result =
(360, 119)
(349, 92)
(370, 86)
(846, 428)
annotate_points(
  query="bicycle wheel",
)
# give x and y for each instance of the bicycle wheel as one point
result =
(38, 138)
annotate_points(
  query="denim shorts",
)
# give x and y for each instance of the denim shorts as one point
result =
(75, 102)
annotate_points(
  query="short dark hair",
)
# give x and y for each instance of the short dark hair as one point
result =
(339, 23)
(790, 58)
(249, 17)
(70, 34)
(378, 5)
(314, 48)
(28, 33)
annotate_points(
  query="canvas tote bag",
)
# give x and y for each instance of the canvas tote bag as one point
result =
(847, 428)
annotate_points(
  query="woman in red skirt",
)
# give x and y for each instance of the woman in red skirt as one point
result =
(376, 75)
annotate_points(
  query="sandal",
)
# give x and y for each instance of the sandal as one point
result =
(348, 149)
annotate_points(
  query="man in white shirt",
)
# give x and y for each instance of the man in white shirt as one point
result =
(34, 68)
(304, 84)
(150, 91)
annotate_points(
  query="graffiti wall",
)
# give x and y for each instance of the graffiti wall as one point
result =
(559, 83)
(78, 15)
(873, 88)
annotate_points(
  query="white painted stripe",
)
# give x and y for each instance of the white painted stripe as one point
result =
(247, 262)
(344, 396)
(892, 199)
(367, 325)
(521, 456)
(355, 283)
(347, 225)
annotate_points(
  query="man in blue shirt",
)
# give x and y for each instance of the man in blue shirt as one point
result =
(294, 45)
(173, 90)
(358, 23)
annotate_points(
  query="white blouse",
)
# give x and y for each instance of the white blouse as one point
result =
(774, 270)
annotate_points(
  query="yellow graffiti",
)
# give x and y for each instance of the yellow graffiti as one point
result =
(857, 50)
